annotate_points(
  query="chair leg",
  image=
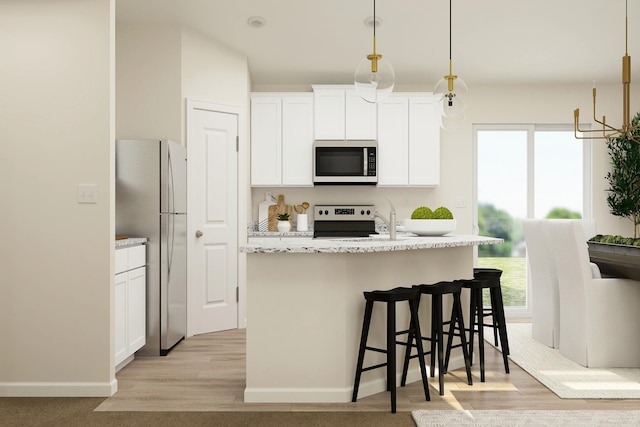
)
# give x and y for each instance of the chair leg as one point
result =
(439, 341)
(495, 323)
(407, 351)
(457, 307)
(480, 333)
(423, 368)
(414, 333)
(472, 322)
(363, 343)
(432, 342)
(496, 301)
(391, 354)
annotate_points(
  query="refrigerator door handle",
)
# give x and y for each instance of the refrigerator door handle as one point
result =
(171, 205)
(171, 190)
(170, 239)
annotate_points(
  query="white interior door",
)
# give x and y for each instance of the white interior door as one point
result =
(212, 163)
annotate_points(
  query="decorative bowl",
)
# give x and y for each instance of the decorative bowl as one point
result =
(430, 227)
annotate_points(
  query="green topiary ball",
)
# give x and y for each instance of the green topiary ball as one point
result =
(442, 213)
(422, 212)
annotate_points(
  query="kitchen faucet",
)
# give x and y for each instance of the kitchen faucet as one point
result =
(391, 223)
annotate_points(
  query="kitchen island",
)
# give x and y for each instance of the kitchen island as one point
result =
(305, 308)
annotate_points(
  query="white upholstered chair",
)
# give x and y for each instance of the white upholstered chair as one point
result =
(599, 318)
(544, 283)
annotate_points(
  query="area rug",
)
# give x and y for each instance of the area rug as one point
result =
(427, 418)
(564, 377)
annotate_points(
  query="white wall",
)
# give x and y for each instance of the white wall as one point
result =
(57, 131)
(148, 69)
(490, 104)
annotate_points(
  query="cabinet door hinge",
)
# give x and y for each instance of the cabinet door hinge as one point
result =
(237, 143)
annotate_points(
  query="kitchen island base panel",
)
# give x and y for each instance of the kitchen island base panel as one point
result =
(305, 317)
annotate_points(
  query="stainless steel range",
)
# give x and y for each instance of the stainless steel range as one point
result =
(343, 221)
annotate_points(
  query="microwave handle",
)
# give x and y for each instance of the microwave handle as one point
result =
(365, 159)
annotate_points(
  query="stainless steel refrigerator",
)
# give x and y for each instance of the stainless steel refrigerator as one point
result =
(151, 201)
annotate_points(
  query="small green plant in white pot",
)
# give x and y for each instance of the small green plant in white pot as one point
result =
(284, 225)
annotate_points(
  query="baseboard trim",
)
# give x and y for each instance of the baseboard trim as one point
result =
(58, 389)
(297, 395)
(334, 395)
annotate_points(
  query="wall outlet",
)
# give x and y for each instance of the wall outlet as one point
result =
(461, 202)
(87, 193)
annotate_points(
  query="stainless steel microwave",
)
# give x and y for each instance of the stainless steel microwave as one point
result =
(345, 162)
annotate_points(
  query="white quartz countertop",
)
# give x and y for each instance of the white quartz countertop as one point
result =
(404, 242)
(131, 241)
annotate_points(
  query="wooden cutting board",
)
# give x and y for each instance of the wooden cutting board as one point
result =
(275, 210)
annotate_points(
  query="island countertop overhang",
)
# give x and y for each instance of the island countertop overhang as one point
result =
(280, 245)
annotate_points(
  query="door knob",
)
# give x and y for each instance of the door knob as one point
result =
(198, 233)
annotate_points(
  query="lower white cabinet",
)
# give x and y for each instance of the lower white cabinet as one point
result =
(130, 301)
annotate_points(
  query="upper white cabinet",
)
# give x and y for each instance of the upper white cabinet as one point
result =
(284, 126)
(281, 139)
(341, 114)
(408, 141)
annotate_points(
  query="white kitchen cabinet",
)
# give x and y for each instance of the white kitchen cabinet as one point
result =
(130, 301)
(281, 139)
(408, 141)
(340, 113)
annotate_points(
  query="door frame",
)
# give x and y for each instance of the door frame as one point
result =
(242, 199)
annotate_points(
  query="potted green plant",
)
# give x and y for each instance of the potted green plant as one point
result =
(618, 255)
(624, 178)
(284, 224)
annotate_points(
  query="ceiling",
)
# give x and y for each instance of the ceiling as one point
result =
(494, 41)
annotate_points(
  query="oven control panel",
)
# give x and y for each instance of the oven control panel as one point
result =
(343, 212)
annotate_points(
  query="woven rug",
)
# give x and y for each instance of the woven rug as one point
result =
(427, 418)
(564, 377)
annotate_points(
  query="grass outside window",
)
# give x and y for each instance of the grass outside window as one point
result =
(513, 280)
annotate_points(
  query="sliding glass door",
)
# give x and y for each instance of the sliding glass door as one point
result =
(525, 172)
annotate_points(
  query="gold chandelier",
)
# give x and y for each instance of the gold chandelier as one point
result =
(607, 131)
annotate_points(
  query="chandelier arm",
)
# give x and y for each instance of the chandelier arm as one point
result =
(607, 130)
(590, 133)
(605, 126)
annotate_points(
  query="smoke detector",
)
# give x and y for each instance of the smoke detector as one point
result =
(256, 22)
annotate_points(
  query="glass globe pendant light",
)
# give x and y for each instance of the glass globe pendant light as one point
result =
(452, 91)
(374, 78)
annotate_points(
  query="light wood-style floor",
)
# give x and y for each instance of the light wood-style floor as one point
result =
(207, 373)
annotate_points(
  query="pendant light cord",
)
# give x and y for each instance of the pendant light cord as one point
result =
(450, 31)
(626, 27)
(374, 18)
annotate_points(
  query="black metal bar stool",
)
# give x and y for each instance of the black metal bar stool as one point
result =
(477, 314)
(456, 323)
(390, 298)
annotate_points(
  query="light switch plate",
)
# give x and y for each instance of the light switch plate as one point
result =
(87, 193)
